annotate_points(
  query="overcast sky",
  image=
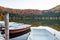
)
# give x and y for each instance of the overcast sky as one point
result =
(30, 4)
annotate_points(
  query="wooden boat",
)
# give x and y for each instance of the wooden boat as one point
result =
(16, 29)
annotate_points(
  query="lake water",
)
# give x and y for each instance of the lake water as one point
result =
(43, 22)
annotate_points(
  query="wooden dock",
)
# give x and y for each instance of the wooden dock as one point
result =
(1, 36)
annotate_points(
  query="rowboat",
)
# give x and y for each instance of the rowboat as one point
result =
(15, 29)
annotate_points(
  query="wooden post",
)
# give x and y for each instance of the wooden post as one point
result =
(6, 26)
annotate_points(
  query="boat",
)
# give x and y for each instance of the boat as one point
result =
(43, 33)
(15, 29)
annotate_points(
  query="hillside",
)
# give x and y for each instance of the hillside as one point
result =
(19, 11)
(28, 11)
(57, 8)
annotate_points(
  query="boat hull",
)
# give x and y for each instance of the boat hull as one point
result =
(17, 32)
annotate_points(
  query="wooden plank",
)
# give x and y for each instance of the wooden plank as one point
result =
(6, 26)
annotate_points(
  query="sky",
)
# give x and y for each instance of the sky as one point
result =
(30, 4)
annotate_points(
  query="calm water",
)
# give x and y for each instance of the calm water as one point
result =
(40, 21)
(47, 22)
